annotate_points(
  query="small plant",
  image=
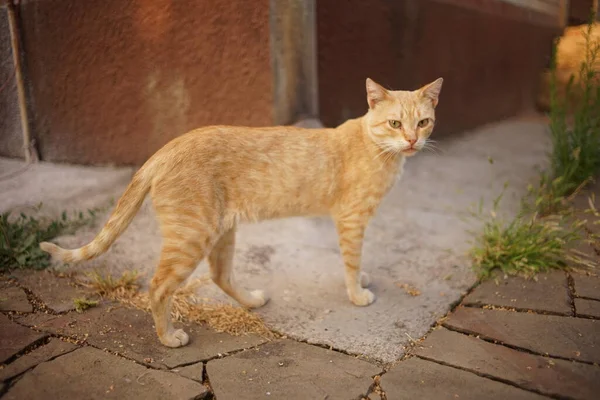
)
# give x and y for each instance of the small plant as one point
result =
(20, 237)
(542, 235)
(575, 123)
(548, 197)
(525, 245)
(82, 304)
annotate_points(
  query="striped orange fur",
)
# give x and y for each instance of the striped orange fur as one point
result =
(205, 182)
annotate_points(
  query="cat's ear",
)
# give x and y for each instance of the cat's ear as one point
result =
(432, 91)
(375, 93)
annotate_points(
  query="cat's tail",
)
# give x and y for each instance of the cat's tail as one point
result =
(121, 217)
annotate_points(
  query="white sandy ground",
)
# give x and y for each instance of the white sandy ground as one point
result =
(418, 238)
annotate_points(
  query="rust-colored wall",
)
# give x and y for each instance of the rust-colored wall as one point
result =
(111, 81)
(11, 142)
(490, 58)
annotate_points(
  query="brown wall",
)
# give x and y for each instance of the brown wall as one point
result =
(11, 142)
(489, 53)
(579, 11)
(111, 81)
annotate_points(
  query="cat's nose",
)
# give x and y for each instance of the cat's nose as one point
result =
(412, 141)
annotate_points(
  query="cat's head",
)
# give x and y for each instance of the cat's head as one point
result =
(401, 121)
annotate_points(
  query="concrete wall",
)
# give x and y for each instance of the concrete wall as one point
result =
(111, 81)
(489, 52)
(11, 142)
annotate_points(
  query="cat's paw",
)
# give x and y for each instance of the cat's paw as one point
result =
(362, 298)
(365, 279)
(177, 338)
(258, 298)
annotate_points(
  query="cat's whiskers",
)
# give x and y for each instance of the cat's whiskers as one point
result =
(431, 147)
(386, 152)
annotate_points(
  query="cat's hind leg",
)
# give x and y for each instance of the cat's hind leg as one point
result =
(220, 260)
(177, 262)
(189, 230)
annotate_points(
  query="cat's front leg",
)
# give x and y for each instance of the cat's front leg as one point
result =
(351, 230)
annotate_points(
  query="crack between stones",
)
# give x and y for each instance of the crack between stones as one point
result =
(592, 317)
(513, 347)
(517, 309)
(9, 383)
(495, 378)
(217, 357)
(571, 291)
(36, 302)
(587, 298)
(206, 383)
(375, 388)
(28, 349)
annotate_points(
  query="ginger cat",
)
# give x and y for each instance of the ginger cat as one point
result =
(206, 181)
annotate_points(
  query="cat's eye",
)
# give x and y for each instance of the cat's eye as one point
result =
(423, 123)
(395, 124)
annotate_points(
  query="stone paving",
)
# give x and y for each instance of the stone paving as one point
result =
(510, 338)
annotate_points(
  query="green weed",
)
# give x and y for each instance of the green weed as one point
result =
(543, 234)
(20, 237)
(82, 304)
(575, 123)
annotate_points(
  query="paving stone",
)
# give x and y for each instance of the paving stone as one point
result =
(542, 374)
(557, 336)
(524, 293)
(56, 293)
(54, 348)
(290, 370)
(420, 379)
(14, 338)
(13, 298)
(587, 308)
(93, 374)
(130, 332)
(587, 286)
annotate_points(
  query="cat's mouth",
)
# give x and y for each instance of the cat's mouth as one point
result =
(410, 151)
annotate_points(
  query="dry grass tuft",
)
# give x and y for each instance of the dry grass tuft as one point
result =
(107, 286)
(186, 305)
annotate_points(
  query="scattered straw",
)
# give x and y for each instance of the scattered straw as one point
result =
(413, 291)
(186, 305)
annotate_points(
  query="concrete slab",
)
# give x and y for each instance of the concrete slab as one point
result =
(54, 348)
(418, 238)
(101, 376)
(56, 293)
(15, 338)
(587, 286)
(587, 308)
(13, 299)
(527, 294)
(130, 332)
(552, 377)
(420, 379)
(557, 336)
(287, 370)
